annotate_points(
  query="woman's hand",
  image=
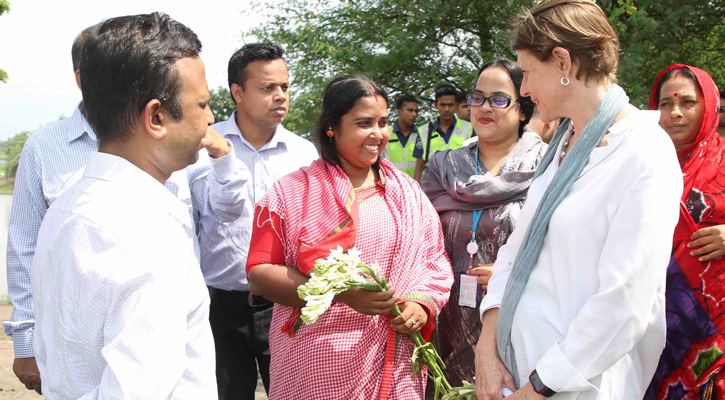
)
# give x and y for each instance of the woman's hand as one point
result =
(526, 393)
(491, 375)
(484, 272)
(709, 243)
(412, 318)
(366, 302)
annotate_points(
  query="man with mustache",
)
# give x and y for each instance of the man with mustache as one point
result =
(259, 83)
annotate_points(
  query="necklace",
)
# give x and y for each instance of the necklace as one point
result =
(566, 144)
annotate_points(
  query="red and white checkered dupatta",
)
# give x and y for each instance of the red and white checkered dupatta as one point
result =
(319, 211)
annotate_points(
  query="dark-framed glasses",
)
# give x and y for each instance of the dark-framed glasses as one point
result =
(495, 101)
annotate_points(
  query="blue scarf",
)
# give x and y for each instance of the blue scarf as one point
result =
(571, 167)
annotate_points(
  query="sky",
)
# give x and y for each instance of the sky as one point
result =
(36, 38)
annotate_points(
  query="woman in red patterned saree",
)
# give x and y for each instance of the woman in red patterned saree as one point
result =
(691, 366)
(351, 198)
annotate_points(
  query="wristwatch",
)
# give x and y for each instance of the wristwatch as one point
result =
(539, 386)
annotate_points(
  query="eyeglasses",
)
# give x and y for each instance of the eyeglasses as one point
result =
(495, 101)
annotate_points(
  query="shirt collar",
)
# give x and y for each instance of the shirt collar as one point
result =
(108, 167)
(280, 137)
(437, 126)
(79, 125)
(396, 128)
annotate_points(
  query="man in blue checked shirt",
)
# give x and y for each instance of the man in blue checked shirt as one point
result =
(52, 160)
(258, 82)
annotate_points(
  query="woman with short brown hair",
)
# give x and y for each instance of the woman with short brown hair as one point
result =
(576, 302)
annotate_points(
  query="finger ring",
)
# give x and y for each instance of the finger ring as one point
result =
(413, 321)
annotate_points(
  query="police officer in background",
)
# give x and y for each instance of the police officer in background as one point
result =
(405, 147)
(447, 132)
(463, 109)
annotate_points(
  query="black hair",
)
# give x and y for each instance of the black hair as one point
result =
(237, 69)
(444, 90)
(340, 97)
(126, 63)
(684, 71)
(517, 76)
(461, 97)
(405, 98)
(77, 48)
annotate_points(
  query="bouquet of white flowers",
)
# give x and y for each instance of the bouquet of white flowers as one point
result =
(344, 270)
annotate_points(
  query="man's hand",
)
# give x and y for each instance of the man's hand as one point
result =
(412, 318)
(27, 372)
(215, 144)
(709, 243)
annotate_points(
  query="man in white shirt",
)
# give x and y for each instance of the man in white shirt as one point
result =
(258, 82)
(120, 304)
(52, 160)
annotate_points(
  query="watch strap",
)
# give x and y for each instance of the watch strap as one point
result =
(539, 386)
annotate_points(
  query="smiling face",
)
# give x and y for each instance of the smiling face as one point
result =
(542, 83)
(264, 99)
(362, 135)
(494, 125)
(681, 110)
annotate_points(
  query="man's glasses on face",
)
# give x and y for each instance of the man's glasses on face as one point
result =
(495, 101)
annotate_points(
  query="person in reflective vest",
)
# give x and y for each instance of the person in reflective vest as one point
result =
(463, 109)
(405, 147)
(447, 132)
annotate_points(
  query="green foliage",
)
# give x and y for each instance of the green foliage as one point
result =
(657, 33)
(10, 151)
(221, 104)
(4, 7)
(410, 47)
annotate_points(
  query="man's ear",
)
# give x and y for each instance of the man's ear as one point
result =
(78, 78)
(237, 93)
(154, 119)
(563, 60)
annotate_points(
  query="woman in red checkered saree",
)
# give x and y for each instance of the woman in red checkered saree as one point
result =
(350, 197)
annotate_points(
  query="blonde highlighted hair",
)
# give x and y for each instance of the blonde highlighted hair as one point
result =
(579, 26)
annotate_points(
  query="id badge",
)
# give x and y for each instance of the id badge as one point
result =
(469, 290)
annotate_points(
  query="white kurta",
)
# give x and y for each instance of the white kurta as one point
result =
(121, 307)
(591, 320)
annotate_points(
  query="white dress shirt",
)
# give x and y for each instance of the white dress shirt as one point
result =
(591, 320)
(121, 306)
(52, 160)
(225, 245)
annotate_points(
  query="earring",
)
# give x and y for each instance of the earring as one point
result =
(565, 80)
(330, 133)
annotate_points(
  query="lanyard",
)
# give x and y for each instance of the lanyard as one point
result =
(472, 247)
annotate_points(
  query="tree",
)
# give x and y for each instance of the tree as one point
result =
(410, 47)
(4, 7)
(12, 149)
(221, 104)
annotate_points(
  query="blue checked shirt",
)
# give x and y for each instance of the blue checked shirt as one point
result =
(225, 245)
(52, 160)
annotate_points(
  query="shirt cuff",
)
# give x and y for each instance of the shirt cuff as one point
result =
(557, 373)
(222, 167)
(23, 343)
(489, 301)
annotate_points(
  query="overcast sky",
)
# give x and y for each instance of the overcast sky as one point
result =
(36, 38)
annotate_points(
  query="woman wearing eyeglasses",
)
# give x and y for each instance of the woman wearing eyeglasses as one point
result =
(481, 185)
